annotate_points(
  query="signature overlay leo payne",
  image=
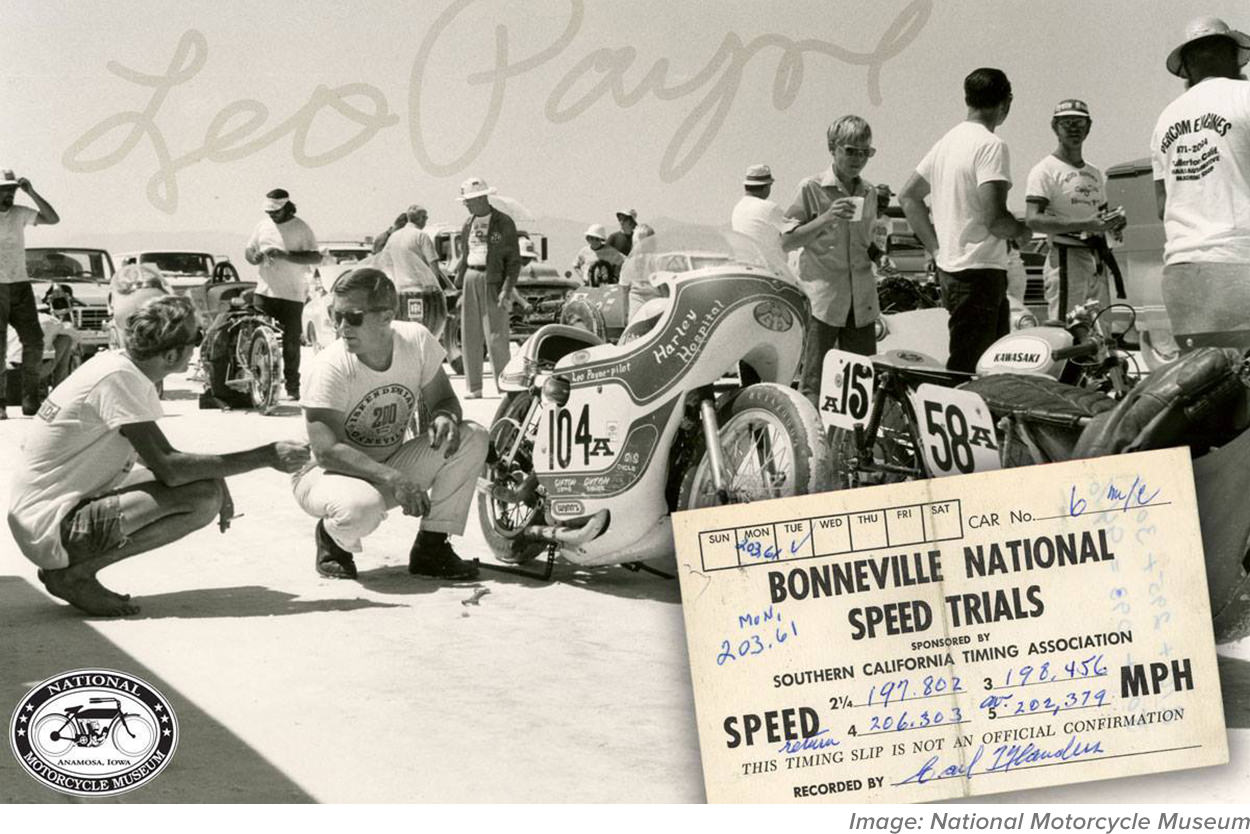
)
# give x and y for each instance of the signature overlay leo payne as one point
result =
(235, 133)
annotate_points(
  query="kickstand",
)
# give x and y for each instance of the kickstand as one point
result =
(639, 566)
(513, 570)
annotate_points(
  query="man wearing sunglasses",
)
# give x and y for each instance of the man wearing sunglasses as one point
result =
(359, 400)
(832, 218)
(79, 503)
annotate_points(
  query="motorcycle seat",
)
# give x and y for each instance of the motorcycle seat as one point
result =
(551, 342)
(1039, 399)
(919, 366)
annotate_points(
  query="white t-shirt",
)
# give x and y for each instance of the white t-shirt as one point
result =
(74, 450)
(763, 222)
(410, 252)
(968, 156)
(478, 231)
(13, 225)
(377, 404)
(1201, 150)
(282, 278)
(1069, 193)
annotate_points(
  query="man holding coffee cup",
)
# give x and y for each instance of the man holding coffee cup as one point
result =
(831, 219)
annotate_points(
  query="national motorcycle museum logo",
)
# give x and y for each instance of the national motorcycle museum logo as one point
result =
(93, 732)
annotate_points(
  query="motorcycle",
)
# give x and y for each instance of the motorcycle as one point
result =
(902, 415)
(241, 358)
(595, 444)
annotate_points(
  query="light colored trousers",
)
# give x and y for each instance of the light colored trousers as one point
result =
(352, 508)
(482, 325)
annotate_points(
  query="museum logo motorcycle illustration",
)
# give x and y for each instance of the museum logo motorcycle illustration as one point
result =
(93, 732)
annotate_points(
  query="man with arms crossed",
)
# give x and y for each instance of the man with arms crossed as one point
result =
(78, 503)
(1067, 200)
(1200, 156)
(362, 391)
(968, 174)
(283, 247)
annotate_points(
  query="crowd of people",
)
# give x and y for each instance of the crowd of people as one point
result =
(81, 501)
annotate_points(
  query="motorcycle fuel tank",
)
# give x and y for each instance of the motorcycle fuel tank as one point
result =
(1026, 351)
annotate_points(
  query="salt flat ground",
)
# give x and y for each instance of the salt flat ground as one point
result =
(294, 688)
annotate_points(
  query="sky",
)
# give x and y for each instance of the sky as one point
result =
(140, 116)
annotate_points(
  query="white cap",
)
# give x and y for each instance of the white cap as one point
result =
(597, 230)
(474, 187)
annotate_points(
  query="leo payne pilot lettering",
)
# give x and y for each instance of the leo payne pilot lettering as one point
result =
(973, 635)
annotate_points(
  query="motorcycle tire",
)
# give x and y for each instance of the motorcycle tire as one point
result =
(218, 373)
(787, 416)
(452, 345)
(264, 365)
(499, 517)
(896, 443)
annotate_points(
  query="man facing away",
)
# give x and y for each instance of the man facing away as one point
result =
(490, 262)
(1200, 156)
(284, 247)
(1066, 198)
(79, 503)
(362, 392)
(967, 174)
(832, 218)
(17, 297)
(413, 258)
(758, 217)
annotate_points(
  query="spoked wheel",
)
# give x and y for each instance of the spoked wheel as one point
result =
(264, 365)
(771, 444)
(580, 313)
(48, 735)
(895, 447)
(135, 737)
(512, 501)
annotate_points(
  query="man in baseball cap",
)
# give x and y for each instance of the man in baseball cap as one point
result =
(758, 217)
(1066, 198)
(17, 297)
(1198, 154)
(596, 252)
(623, 240)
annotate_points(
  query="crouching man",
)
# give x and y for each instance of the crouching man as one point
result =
(79, 503)
(357, 401)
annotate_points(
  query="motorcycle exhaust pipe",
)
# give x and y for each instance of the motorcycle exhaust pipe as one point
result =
(568, 536)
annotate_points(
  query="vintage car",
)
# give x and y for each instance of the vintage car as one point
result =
(87, 274)
(191, 274)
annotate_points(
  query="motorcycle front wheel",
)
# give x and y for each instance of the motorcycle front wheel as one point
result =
(771, 442)
(264, 364)
(510, 505)
(896, 446)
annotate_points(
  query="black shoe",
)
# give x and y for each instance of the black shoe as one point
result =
(439, 561)
(30, 406)
(333, 562)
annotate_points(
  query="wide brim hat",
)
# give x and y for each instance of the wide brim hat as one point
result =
(474, 187)
(758, 175)
(1209, 27)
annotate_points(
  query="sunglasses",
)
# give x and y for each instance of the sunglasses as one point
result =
(355, 318)
(866, 153)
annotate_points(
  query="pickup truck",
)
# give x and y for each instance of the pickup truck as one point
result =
(87, 273)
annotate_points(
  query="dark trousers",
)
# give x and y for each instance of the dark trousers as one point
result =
(17, 308)
(289, 315)
(822, 338)
(980, 313)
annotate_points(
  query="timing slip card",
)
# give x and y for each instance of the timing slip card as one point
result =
(954, 637)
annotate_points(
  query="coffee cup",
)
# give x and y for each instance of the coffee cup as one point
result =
(858, 202)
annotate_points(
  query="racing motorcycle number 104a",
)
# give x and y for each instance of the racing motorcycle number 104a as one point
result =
(583, 435)
(956, 430)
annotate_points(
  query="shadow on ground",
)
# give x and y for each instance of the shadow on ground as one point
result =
(211, 763)
(243, 601)
(1235, 684)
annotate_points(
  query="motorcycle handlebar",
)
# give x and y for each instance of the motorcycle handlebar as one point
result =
(1076, 351)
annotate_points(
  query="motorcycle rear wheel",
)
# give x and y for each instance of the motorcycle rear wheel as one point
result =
(264, 364)
(500, 518)
(771, 439)
(896, 444)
